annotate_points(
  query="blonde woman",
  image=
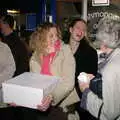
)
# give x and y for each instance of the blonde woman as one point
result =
(52, 57)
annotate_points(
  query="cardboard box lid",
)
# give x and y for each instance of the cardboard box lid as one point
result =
(34, 80)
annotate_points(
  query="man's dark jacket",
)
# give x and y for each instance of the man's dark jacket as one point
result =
(19, 52)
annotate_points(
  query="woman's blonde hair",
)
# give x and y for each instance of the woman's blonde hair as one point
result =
(38, 41)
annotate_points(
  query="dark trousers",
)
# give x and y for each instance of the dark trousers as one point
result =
(22, 113)
(7, 113)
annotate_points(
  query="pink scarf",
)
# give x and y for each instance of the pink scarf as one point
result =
(47, 60)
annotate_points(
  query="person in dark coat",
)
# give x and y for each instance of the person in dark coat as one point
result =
(85, 56)
(17, 47)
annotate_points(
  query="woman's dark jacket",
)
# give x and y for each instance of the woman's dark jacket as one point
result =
(86, 61)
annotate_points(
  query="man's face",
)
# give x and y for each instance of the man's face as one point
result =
(2, 26)
(78, 31)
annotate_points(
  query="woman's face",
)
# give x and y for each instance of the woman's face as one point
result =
(78, 31)
(52, 37)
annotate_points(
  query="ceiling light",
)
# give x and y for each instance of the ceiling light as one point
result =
(13, 11)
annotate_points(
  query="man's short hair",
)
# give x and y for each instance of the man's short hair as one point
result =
(8, 19)
(3, 12)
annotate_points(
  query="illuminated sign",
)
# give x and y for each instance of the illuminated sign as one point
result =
(100, 2)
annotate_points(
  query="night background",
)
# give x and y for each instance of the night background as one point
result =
(22, 5)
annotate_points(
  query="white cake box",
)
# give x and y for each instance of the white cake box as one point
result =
(28, 89)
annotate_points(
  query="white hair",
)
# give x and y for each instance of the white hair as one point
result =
(108, 32)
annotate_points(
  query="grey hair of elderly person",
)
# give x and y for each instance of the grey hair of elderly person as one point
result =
(108, 33)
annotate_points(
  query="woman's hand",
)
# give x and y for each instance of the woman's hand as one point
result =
(12, 104)
(46, 102)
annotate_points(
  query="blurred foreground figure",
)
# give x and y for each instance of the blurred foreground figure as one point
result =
(106, 107)
(7, 65)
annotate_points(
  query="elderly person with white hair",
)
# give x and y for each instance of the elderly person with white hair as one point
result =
(107, 107)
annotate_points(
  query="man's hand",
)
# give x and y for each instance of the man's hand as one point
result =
(84, 85)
